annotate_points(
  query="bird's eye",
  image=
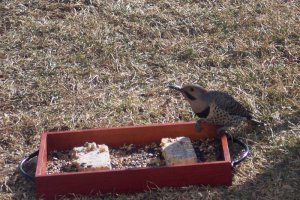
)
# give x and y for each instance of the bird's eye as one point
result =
(192, 89)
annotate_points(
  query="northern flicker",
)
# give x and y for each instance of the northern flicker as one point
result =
(215, 107)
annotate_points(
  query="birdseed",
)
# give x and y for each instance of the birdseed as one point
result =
(135, 156)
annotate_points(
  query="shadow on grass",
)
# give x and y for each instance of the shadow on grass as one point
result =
(280, 179)
(288, 119)
(280, 174)
(276, 126)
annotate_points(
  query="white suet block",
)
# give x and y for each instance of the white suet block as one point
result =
(91, 157)
(178, 151)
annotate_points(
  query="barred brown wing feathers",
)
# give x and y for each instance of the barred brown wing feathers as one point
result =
(227, 103)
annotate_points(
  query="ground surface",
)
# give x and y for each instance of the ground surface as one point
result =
(74, 64)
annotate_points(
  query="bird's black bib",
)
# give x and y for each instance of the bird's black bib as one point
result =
(204, 113)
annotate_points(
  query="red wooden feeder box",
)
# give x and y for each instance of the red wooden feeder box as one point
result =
(128, 180)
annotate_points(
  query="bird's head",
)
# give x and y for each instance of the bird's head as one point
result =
(191, 92)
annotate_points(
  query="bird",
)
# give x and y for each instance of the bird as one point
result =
(215, 107)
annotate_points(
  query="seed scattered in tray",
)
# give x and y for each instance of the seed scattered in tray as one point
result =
(134, 156)
(207, 150)
(60, 161)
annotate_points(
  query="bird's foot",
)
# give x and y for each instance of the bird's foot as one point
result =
(198, 126)
(223, 130)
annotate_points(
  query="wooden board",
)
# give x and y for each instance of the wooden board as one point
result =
(129, 180)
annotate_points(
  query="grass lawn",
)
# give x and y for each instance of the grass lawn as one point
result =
(75, 64)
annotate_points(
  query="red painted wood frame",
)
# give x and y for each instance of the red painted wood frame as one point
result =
(129, 180)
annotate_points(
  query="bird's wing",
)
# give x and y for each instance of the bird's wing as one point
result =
(227, 103)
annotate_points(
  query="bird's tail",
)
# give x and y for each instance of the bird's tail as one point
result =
(255, 122)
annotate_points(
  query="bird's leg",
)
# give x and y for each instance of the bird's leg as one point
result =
(221, 130)
(198, 124)
(199, 121)
(224, 129)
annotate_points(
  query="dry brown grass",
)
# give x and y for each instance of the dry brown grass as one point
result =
(74, 64)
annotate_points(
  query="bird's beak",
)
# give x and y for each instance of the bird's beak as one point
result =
(175, 87)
